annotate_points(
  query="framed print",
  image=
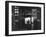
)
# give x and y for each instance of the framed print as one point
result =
(24, 18)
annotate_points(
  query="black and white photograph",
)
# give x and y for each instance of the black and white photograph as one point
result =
(24, 18)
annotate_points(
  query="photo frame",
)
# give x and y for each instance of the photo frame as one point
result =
(15, 11)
